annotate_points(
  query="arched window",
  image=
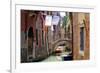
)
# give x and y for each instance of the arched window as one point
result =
(30, 32)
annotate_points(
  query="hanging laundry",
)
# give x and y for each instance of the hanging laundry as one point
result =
(55, 20)
(64, 22)
(48, 20)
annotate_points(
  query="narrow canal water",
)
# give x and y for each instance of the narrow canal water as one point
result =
(57, 57)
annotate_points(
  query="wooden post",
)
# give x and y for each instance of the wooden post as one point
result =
(76, 36)
(87, 37)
